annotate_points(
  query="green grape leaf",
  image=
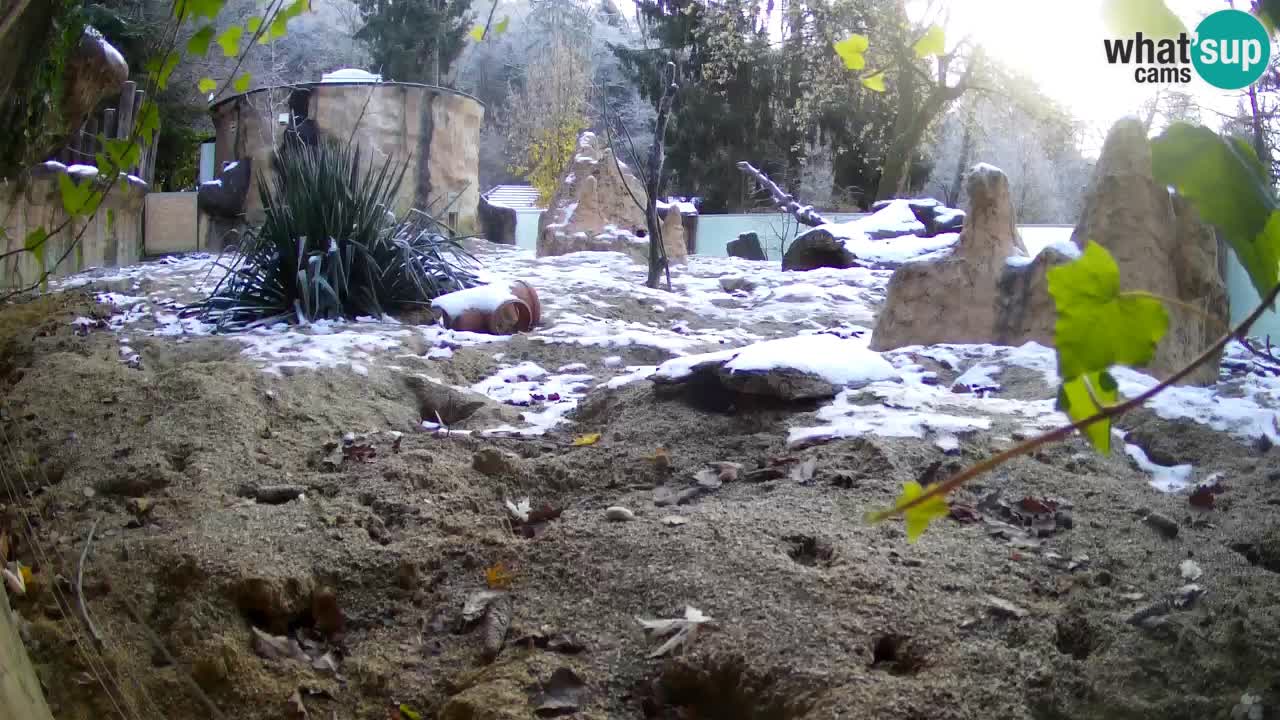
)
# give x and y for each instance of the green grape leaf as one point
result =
(253, 24)
(121, 154)
(874, 82)
(1152, 18)
(148, 121)
(477, 33)
(278, 29)
(918, 517)
(229, 40)
(161, 68)
(1098, 326)
(241, 84)
(205, 8)
(502, 25)
(1269, 14)
(35, 244)
(198, 45)
(1230, 188)
(296, 9)
(934, 42)
(851, 51)
(1079, 398)
(207, 85)
(78, 199)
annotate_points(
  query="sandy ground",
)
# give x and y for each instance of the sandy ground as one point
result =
(173, 441)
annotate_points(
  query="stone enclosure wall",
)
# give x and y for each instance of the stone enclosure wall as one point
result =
(435, 129)
(111, 237)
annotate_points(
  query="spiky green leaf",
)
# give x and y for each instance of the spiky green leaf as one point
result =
(851, 51)
(1230, 188)
(1097, 325)
(229, 40)
(1079, 398)
(933, 43)
(198, 45)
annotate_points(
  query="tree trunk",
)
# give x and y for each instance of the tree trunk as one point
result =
(962, 163)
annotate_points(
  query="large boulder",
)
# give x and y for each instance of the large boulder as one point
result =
(989, 291)
(896, 227)
(497, 222)
(747, 247)
(599, 206)
(953, 299)
(1161, 246)
(95, 71)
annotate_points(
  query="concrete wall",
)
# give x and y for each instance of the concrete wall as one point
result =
(113, 236)
(20, 694)
(435, 129)
(172, 224)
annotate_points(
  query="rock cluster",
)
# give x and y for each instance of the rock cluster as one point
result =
(598, 206)
(989, 291)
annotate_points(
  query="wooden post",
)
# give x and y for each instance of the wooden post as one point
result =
(150, 177)
(139, 98)
(125, 126)
(109, 124)
(90, 145)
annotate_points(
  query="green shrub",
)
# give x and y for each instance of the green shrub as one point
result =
(331, 246)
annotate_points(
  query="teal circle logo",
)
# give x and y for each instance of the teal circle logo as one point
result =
(1232, 49)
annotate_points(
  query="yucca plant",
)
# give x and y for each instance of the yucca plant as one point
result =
(332, 247)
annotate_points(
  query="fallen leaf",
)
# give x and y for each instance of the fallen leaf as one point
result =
(802, 473)
(497, 577)
(294, 709)
(276, 647)
(1036, 505)
(14, 582)
(1202, 497)
(964, 513)
(561, 694)
(682, 631)
(588, 439)
(519, 511)
(409, 713)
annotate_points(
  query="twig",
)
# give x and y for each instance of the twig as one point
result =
(12, 16)
(1106, 413)
(786, 202)
(158, 644)
(84, 607)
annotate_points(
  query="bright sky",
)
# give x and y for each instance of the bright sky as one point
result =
(1059, 44)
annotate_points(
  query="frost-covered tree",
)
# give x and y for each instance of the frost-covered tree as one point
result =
(1033, 140)
(415, 40)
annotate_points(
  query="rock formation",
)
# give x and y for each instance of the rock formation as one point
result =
(1161, 246)
(989, 291)
(747, 247)
(826, 245)
(953, 299)
(599, 207)
(94, 71)
(497, 222)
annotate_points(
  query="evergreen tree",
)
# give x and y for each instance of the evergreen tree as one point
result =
(415, 40)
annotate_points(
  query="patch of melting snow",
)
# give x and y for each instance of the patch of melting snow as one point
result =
(1163, 478)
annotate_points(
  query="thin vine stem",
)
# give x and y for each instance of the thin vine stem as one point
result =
(1106, 413)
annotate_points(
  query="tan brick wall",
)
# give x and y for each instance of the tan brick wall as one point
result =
(112, 237)
(171, 224)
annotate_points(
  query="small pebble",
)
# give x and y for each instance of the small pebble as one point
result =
(1163, 523)
(619, 514)
(674, 520)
